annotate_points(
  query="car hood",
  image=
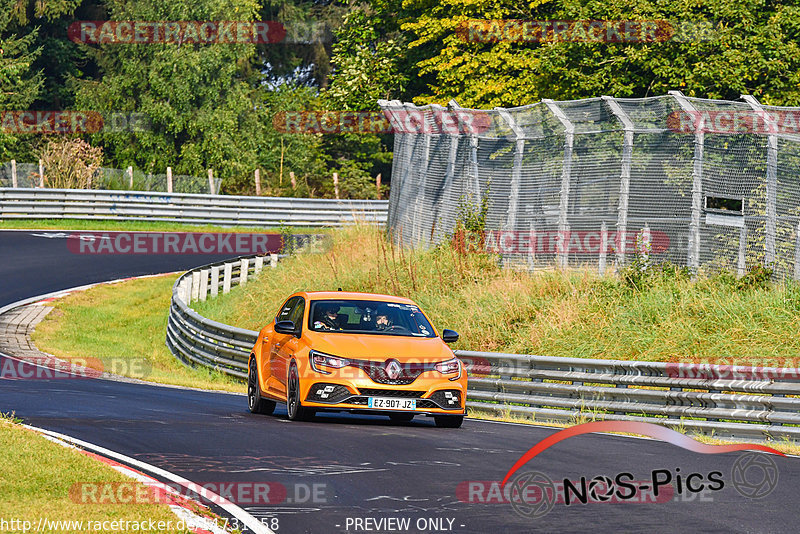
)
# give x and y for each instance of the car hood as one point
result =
(377, 347)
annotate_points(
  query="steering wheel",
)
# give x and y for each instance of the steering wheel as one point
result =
(397, 328)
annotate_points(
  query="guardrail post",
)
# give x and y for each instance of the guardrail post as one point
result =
(566, 172)
(210, 181)
(203, 285)
(14, 182)
(130, 177)
(169, 179)
(693, 256)
(226, 278)
(259, 264)
(215, 281)
(195, 287)
(516, 171)
(245, 266)
(625, 176)
(273, 260)
(258, 182)
(772, 180)
(41, 173)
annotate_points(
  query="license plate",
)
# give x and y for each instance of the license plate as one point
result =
(388, 403)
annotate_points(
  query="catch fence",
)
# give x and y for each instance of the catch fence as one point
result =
(708, 184)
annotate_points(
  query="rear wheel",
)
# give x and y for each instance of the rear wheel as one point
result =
(255, 402)
(401, 417)
(294, 407)
(448, 421)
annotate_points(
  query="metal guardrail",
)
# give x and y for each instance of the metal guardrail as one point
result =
(730, 401)
(23, 203)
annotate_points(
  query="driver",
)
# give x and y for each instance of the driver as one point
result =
(328, 318)
(383, 320)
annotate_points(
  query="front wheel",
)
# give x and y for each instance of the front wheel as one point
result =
(448, 421)
(255, 402)
(294, 407)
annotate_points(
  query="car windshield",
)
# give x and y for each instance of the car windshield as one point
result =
(368, 317)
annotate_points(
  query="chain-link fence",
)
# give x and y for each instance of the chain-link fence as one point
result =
(708, 184)
(30, 175)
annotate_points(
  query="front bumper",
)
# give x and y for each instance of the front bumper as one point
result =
(349, 389)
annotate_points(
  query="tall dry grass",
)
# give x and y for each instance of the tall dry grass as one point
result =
(549, 312)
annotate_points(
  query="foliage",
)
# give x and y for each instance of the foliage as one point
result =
(71, 163)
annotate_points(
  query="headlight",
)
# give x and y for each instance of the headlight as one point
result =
(320, 359)
(448, 367)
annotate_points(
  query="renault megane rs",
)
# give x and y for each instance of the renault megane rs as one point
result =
(356, 352)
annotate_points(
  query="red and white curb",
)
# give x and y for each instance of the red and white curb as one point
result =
(180, 505)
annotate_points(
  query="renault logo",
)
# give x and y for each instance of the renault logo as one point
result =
(393, 369)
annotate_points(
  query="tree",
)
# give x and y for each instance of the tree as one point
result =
(19, 83)
(722, 48)
(200, 107)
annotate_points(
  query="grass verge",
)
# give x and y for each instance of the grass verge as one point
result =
(36, 477)
(127, 333)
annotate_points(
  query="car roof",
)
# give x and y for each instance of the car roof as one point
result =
(351, 295)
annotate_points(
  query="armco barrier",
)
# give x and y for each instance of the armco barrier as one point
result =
(731, 401)
(23, 203)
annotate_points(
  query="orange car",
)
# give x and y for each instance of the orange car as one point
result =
(356, 352)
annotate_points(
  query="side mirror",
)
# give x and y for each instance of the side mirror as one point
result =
(449, 336)
(285, 327)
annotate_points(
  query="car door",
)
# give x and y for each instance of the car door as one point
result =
(277, 382)
(289, 347)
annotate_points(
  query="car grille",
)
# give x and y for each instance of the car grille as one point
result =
(390, 393)
(377, 371)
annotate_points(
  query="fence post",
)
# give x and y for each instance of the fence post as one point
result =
(693, 257)
(566, 171)
(210, 181)
(291, 178)
(273, 260)
(245, 266)
(772, 180)
(215, 280)
(204, 284)
(377, 186)
(625, 177)
(601, 262)
(41, 173)
(226, 278)
(473, 145)
(14, 182)
(742, 266)
(195, 287)
(797, 252)
(169, 179)
(336, 184)
(258, 182)
(516, 171)
(130, 177)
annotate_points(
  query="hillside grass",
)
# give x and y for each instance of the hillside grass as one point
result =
(126, 333)
(573, 313)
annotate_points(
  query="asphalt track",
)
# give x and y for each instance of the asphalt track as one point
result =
(361, 466)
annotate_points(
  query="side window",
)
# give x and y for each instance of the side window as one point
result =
(296, 315)
(285, 314)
